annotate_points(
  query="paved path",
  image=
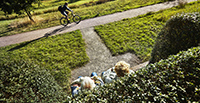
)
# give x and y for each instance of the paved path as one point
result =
(100, 57)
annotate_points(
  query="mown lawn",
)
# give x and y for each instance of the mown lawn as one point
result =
(59, 54)
(138, 34)
(50, 17)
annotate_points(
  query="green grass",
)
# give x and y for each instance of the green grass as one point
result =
(4, 27)
(59, 54)
(138, 34)
(131, 35)
(50, 19)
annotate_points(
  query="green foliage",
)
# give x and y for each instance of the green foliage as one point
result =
(176, 79)
(18, 6)
(180, 33)
(22, 81)
(58, 54)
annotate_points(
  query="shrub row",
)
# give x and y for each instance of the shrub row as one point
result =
(176, 79)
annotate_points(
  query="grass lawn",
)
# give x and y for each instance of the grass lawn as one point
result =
(59, 54)
(138, 34)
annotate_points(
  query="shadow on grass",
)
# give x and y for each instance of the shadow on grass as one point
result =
(6, 31)
(23, 44)
(46, 35)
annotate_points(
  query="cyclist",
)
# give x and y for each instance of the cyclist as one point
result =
(63, 9)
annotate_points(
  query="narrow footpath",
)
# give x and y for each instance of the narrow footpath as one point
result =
(100, 57)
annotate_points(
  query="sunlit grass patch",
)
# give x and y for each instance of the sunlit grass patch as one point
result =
(59, 54)
(132, 35)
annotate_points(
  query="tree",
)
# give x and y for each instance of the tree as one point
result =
(18, 7)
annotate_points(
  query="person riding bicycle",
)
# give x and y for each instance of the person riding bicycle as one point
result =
(63, 9)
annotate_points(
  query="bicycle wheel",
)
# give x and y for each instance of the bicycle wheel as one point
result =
(76, 19)
(63, 21)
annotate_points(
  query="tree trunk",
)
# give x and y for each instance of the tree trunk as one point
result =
(29, 15)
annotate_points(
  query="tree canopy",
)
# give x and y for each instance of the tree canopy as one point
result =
(18, 7)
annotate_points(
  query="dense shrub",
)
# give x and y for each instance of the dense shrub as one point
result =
(176, 79)
(22, 81)
(180, 33)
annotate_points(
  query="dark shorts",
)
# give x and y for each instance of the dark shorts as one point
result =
(65, 13)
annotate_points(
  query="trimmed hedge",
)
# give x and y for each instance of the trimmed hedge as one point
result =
(176, 79)
(22, 81)
(180, 33)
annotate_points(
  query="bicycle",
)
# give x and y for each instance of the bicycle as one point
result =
(75, 18)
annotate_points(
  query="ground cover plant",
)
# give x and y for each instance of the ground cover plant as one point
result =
(49, 19)
(24, 81)
(175, 79)
(58, 54)
(138, 35)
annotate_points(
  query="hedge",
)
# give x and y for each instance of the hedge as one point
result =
(180, 33)
(22, 81)
(175, 79)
